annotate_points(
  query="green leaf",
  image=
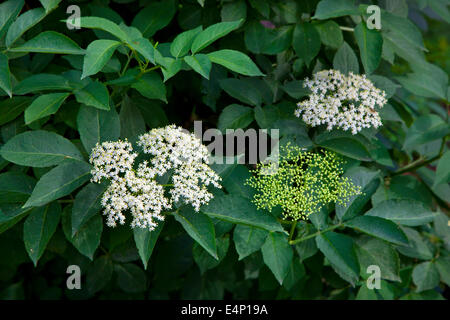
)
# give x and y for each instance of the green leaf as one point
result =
(330, 34)
(403, 29)
(425, 129)
(379, 228)
(364, 293)
(59, 182)
(10, 214)
(200, 63)
(49, 42)
(151, 86)
(44, 105)
(339, 250)
(296, 273)
(443, 170)
(371, 251)
(39, 227)
(393, 42)
(417, 247)
(242, 90)
(95, 94)
(154, 17)
(132, 123)
(87, 239)
(182, 43)
(441, 224)
(306, 41)
(42, 82)
(49, 5)
(15, 187)
(327, 9)
(425, 276)
(39, 149)
(259, 39)
(443, 266)
(427, 80)
(236, 209)
(370, 44)
(87, 203)
(97, 55)
(404, 212)
(386, 292)
(441, 8)
(212, 33)
(235, 116)
(234, 11)
(130, 278)
(345, 143)
(232, 181)
(99, 274)
(145, 241)
(295, 89)
(144, 47)
(345, 60)
(368, 180)
(8, 12)
(170, 67)
(97, 126)
(153, 113)
(204, 260)
(402, 187)
(235, 61)
(384, 84)
(105, 25)
(277, 255)
(248, 240)
(199, 227)
(23, 23)
(5, 75)
(12, 108)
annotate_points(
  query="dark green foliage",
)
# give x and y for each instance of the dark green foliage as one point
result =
(137, 65)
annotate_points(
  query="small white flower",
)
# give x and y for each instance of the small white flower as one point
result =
(135, 190)
(110, 159)
(346, 102)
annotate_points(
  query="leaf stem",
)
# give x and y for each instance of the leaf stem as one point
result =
(291, 233)
(347, 28)
(284, 221)
(421, 161)
(130, 55)
(292, 242)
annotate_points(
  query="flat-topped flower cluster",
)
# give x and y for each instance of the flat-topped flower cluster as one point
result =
(303, 184)
(343, 101)
(135, 189)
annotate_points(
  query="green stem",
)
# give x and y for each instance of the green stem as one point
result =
(346, 29)
(147, 70)
(291, 233)
(127, 63)
(292, 242)
(421, 162)
(284, 221)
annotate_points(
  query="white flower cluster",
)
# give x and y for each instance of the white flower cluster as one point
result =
(110, 159)
(173, 149)
(343, 101)
(136, 189)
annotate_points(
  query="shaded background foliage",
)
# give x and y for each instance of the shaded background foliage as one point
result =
(400, 222)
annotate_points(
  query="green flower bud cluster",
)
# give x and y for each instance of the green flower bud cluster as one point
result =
(304, 182)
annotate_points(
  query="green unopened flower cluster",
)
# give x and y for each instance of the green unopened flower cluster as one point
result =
(304, 182)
